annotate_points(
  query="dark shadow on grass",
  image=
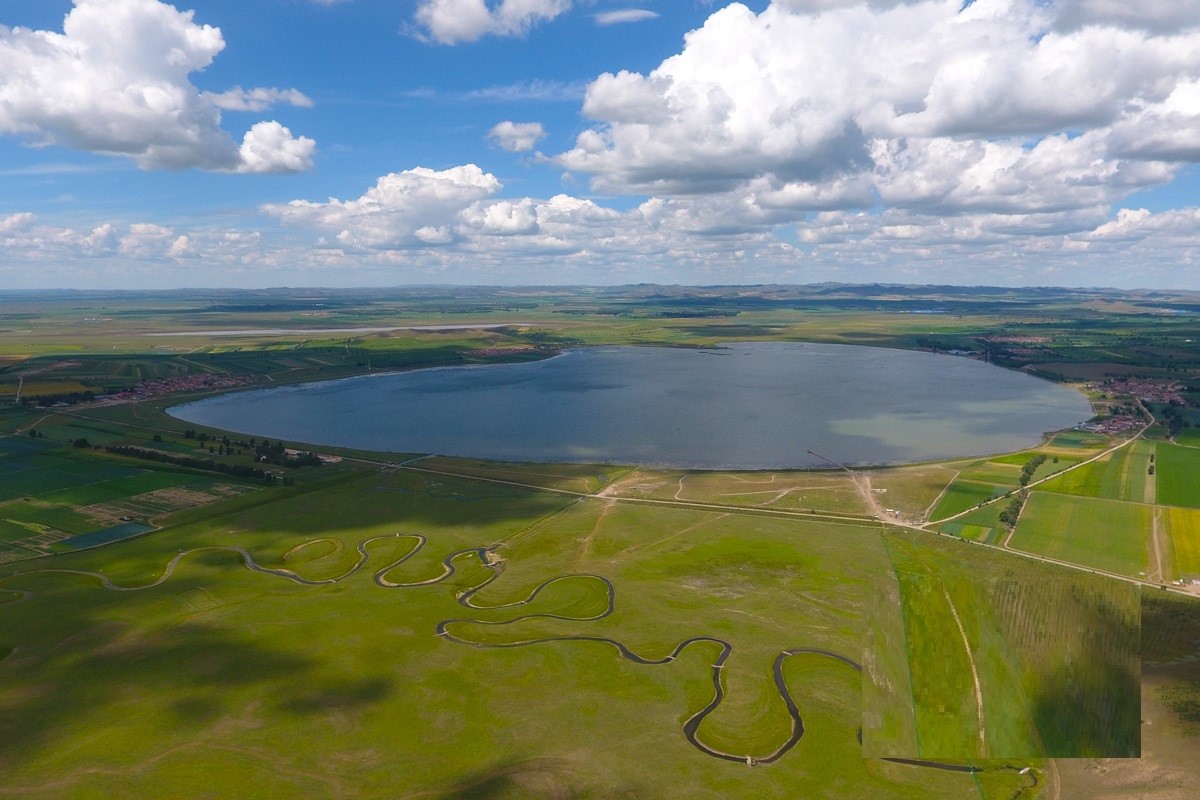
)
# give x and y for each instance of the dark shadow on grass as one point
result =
(343, 695)
(92, 673)
(1091, 711)
(1170, 626)
(1090, 706)
(526, 780)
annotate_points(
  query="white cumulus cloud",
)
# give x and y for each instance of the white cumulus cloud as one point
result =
(270, 147)
(517, 137)
(115, 82)
(402, 209)
(16, 222)
(1004, 106)
(453, 21)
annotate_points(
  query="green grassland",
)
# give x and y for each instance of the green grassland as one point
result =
(1102, 534)
(833, 492)
(1177, 473)
(584, 478)
(1069, 441)
(913, 490)
(323, 689)
(1015, 626)
(457, 632)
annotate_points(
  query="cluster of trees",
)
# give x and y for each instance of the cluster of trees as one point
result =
(1030, 468)
(1012, 511)
(223, 446)
(207, 464)
(266, 452)
(70, 398)
(1174, 420)
(277, 454)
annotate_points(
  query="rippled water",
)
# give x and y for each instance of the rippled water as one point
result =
(745, 406)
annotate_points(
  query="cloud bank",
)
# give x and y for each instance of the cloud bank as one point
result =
(115, 82)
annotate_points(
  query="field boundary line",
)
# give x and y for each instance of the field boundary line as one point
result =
(929, 509)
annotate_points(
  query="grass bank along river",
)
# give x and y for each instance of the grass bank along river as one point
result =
(744, 406)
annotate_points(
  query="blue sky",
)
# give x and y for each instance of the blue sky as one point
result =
(374, 142)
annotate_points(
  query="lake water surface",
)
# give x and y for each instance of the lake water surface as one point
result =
(743, 406)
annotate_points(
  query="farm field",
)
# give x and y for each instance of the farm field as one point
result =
(1120, 476)
(1177, 474)
(1183, 525)
(996, 664)
(1102, 534)
(55, 498)
(963, 495)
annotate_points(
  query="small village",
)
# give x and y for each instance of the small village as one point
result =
(148, 390)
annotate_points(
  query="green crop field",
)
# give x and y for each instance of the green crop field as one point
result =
(963, 495)
(1177, 473)
(1079, 440)
(1183, 524)
(1120, 476)
(1103, 534)
(51, 492)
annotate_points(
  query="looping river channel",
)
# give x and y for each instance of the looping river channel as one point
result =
(740, 406)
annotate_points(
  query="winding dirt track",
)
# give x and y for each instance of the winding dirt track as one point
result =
(465, 598)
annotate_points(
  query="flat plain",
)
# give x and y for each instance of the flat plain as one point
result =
(1103, 534)
(404, 625)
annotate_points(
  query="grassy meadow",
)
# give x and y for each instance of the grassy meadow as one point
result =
(325, 688)
(456, 628)
(997, 665)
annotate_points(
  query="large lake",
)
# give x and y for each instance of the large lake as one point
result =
(744, 406)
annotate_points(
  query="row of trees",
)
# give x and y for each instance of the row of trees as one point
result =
(1030, 468)
(207, 464)
(1012, 511)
